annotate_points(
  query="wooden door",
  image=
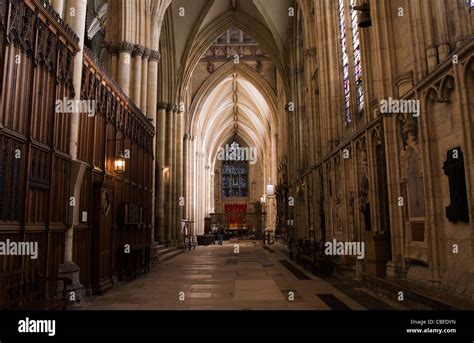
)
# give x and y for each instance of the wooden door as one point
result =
(101, 261)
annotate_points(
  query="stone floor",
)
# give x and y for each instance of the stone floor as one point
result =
(215, 277)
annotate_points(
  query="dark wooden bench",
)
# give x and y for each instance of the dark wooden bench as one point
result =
(311, 255)
(138, 260)
(27, 290)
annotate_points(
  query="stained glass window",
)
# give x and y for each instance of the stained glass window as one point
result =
(346, 14)
(471, 3)
(345, 62)
(357, 57)
(235, 174)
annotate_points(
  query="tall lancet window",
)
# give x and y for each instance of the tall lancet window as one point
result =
(357, 57)
(345, 62)
(350, 52)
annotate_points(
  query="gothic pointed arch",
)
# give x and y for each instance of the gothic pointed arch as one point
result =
(227, 70)
(204, 39)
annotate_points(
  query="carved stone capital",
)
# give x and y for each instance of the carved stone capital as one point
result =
(179, 109)
(125, 47)
(138, 50)
(155, 56)
(163, 106)
(146, 53)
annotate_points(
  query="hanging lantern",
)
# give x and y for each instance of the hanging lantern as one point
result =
(119, 164)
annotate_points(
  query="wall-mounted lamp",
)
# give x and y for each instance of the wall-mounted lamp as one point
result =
(364, 20)
(120, 159)
(270, 190)
(119, 164)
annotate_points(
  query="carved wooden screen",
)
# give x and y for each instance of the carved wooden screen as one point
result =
(36, 69)
(36, 54)
(117, 128)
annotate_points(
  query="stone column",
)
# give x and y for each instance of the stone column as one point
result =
(168, 173)
(113, 61)
(333, 122)
(178, 181)
(136, 76)
(69, 268)
(431, 48)
(143, 99)
(152, 89)
(189, 170)
(160, 158)
(58, 6)
(152, 84)
(458, 25)
(107, 46)
(124, 66)
(442, 29)
(77, 24)
(186, 166)
(174, 168)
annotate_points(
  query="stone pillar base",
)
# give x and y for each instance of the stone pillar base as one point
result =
(392, 269)
(71, 270)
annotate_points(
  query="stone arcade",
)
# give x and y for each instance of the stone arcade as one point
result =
(356, 135)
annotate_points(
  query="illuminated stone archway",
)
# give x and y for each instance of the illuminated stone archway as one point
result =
(208, 114)
(236, 101)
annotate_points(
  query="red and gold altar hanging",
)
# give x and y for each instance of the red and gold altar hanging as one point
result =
(235, 214)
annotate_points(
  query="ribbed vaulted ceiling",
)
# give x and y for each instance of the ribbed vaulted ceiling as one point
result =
(217, 121)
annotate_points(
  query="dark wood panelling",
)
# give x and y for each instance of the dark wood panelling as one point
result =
(12, 170)
(37, 53)
(34, 165)
(81, 253)
(3, 31)
(118, 126)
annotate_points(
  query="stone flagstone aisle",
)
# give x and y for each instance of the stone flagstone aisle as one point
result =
(214, 277)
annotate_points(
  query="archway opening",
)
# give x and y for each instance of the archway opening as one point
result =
(233, 123)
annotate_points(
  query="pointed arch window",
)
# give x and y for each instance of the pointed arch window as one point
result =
(357, 57)
(345, 62)
(471, 4)
(235, 173)
(350, 57)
